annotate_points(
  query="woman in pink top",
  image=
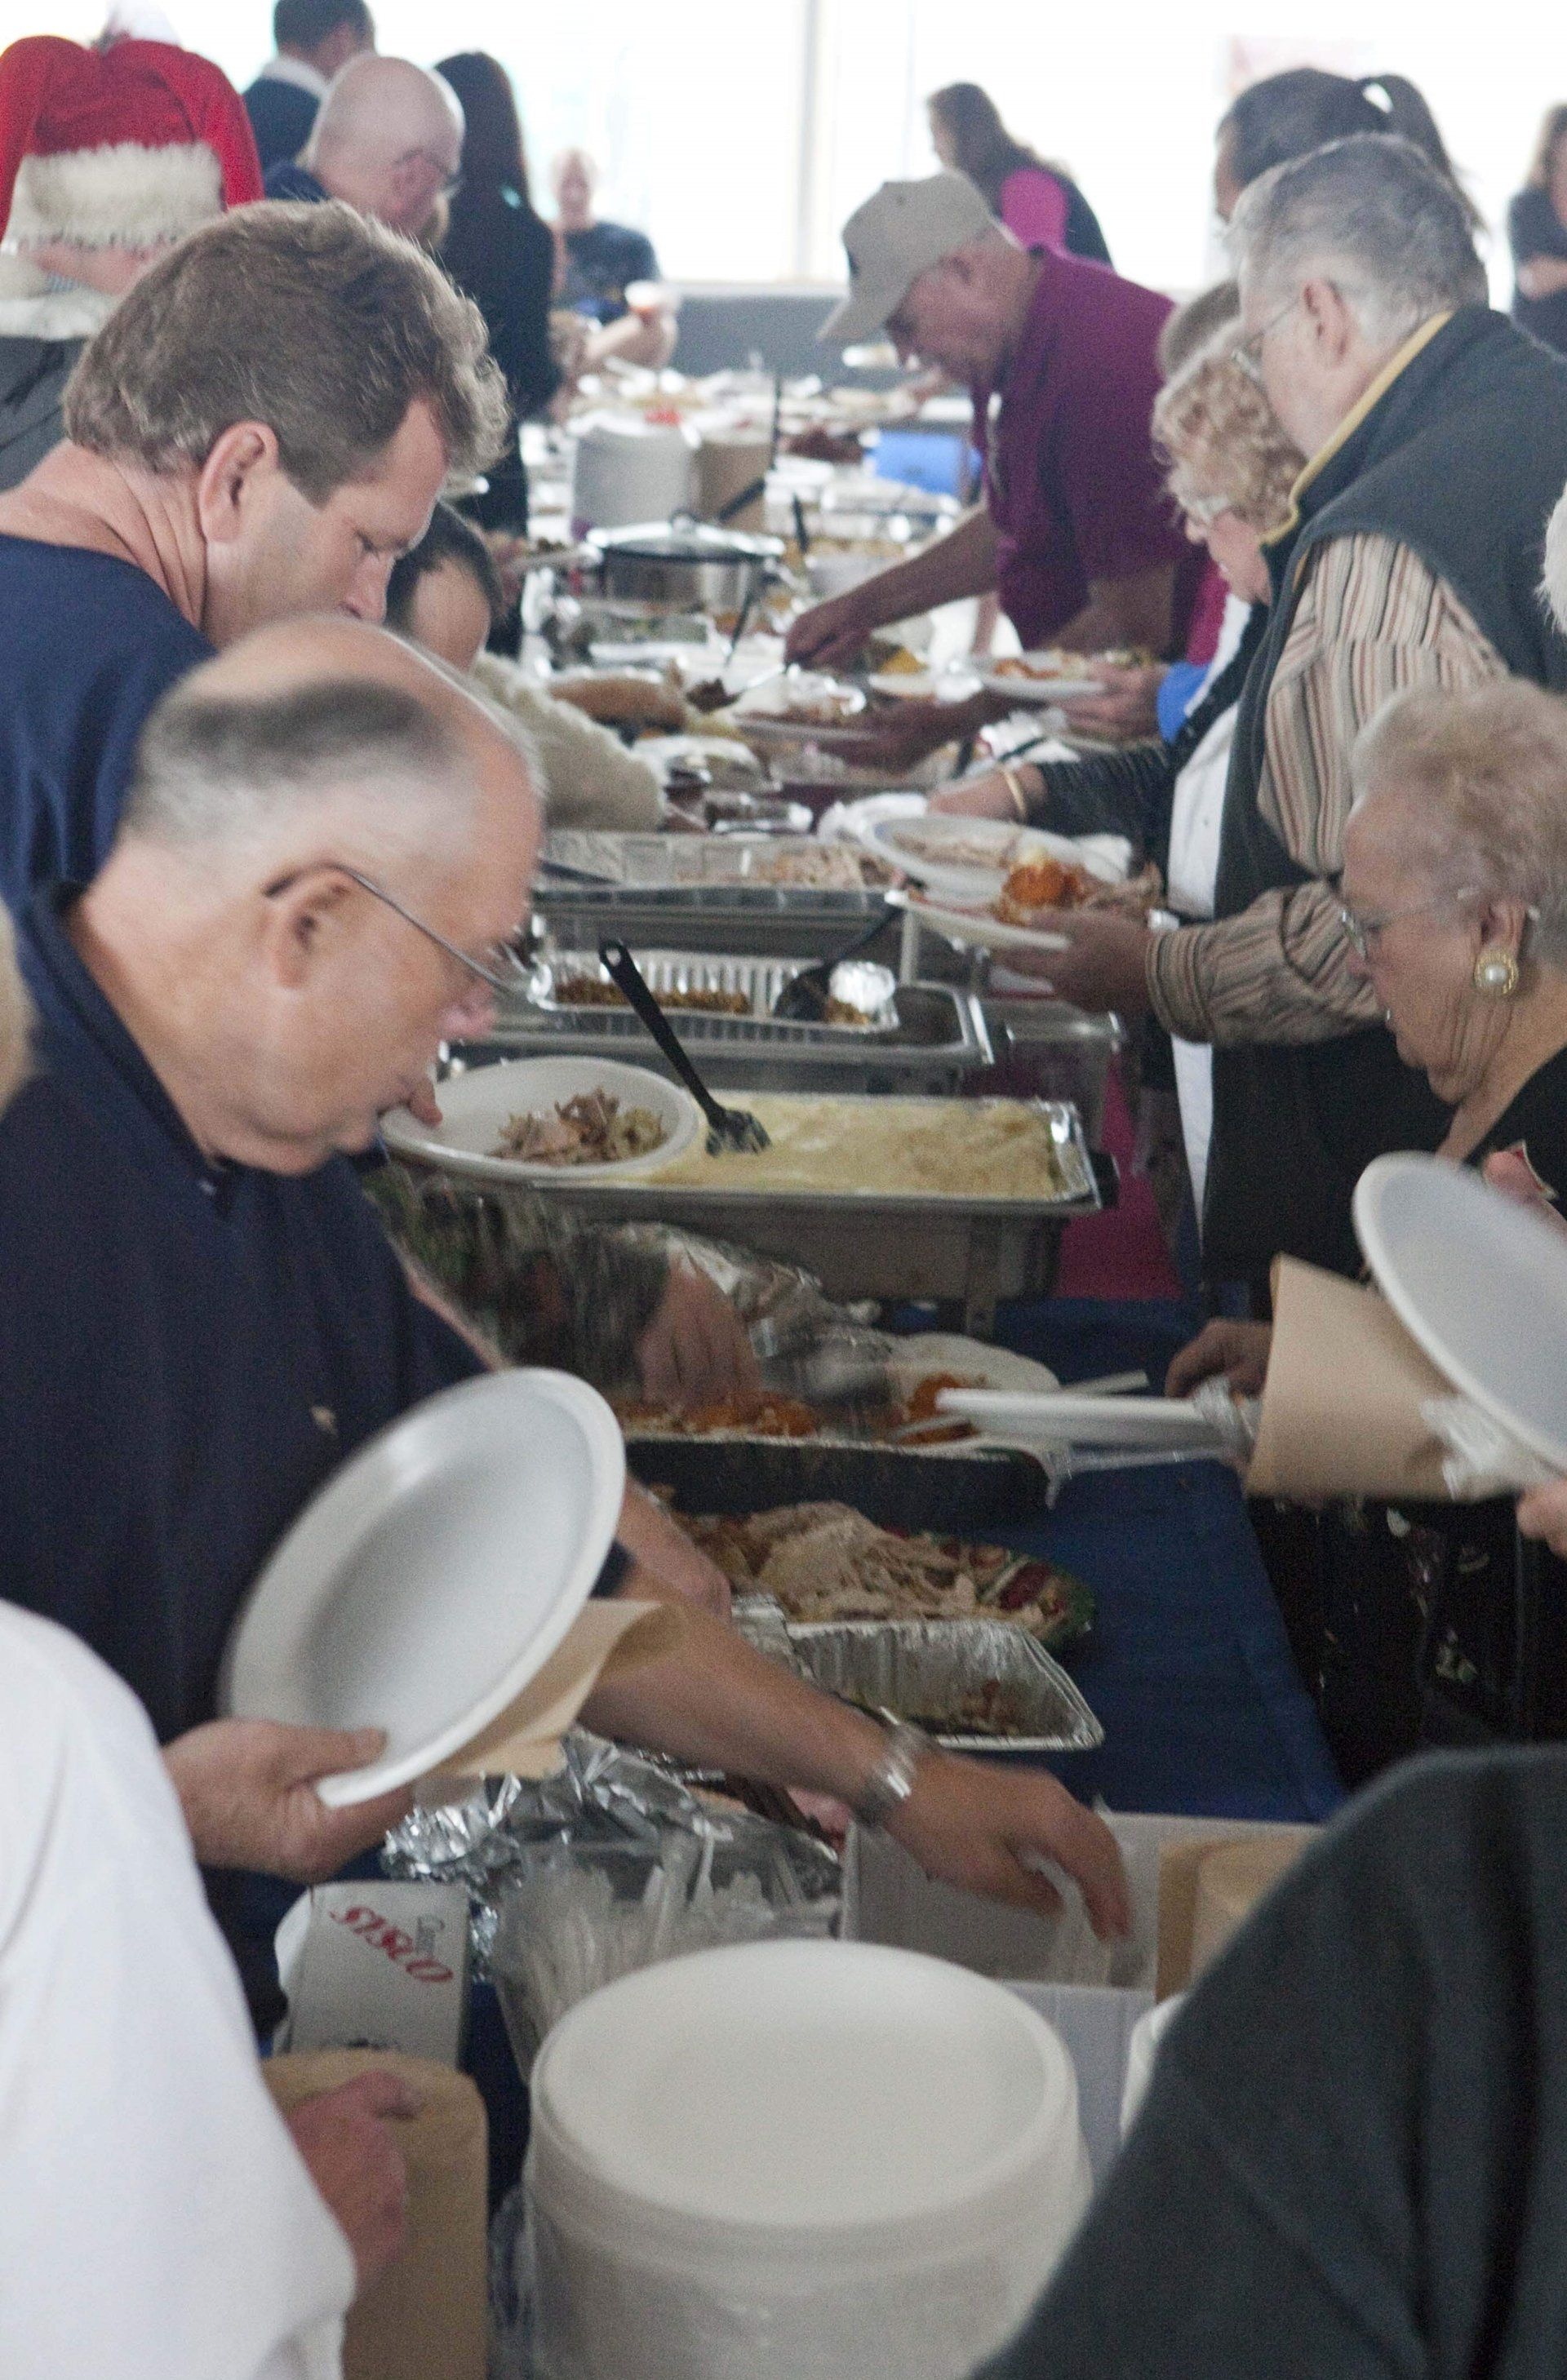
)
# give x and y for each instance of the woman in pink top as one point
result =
(1040, 206)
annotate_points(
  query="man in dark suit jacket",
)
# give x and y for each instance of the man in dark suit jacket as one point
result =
(314, 38)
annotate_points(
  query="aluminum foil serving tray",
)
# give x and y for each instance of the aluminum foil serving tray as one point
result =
(959, 1488)
(759, 980)
(933, 1672)
(730, 873)
(937, 1041)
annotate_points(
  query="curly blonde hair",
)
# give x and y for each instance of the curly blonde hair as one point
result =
(1224, 446)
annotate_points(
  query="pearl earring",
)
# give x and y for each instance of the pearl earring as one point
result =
(1496, 975)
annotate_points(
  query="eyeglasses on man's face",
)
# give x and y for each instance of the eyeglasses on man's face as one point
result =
(499, 965)
(1249, 355)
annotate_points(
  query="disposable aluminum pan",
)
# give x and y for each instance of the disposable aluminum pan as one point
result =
(696, 874)
(937, 1041)
(759, 980)
(768, 920)
(936, 1672)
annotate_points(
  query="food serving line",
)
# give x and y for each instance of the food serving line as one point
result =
(785, 846)
(771, 1036)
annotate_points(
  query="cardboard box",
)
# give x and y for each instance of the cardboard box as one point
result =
(380, 1966)
(1093, 1994)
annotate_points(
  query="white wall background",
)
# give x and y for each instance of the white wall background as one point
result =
(741, 135)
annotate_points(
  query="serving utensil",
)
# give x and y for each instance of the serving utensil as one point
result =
(569, 875)
(804, 998)
(728, 1128)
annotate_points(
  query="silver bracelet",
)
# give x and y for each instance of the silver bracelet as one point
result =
(891, 1782)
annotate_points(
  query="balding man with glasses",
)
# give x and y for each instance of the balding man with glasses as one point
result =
(326, 844)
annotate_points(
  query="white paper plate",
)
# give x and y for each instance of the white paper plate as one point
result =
(1164, 1423)
(476, 1107)
(434, 1574)
(1039, 692)
(788, 700)
(925, 686)
(975, 928)
(1480, 1283)
(964, 881)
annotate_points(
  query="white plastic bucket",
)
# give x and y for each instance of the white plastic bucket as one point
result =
(625, 471)
(796, 2161)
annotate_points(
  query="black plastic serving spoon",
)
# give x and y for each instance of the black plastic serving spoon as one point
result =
(804, 998)
(728, 1128)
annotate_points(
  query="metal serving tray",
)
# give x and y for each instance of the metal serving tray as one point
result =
(938, 1043)
(759, 980)
(951, 1488)
(966, 1253)
(925, 1670)
(703, 890)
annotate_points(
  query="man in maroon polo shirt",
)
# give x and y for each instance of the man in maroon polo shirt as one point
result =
(1076, 533)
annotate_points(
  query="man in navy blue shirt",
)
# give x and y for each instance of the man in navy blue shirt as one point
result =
(202, 1317)
(259, 431)
(312, 39)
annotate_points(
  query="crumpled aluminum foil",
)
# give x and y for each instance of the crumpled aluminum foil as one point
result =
(602, 1794)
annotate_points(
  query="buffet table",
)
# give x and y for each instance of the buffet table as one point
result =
(1188, 1666)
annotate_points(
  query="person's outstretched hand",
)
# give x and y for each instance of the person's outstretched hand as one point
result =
(1543, 1512)
(695, 1351)
(346, 2139)
(1126, 705)
(1103, 963)
(247, 1787)
(1237, 1351)
(984, 1829)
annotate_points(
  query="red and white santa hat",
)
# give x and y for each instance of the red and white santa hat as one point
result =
(129, 147)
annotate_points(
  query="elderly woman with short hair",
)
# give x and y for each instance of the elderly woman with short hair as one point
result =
(1231, 467)
(1454, 894)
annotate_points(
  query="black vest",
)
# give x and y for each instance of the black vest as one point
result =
(1462, 460)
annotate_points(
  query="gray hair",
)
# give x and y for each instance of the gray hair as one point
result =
(1486, 769)
(1553, 581)
(1371, 215)
(216, 769)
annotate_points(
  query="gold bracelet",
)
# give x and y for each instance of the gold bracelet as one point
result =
(1011, 779)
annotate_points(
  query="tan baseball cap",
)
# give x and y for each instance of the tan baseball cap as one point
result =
(895, 237)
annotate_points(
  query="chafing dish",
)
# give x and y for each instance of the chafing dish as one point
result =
(700, 892)
(964, 1253)
(758, 981)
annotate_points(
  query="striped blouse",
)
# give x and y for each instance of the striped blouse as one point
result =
(1371, 620)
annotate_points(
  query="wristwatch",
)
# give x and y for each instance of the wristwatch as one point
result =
(891, 1782)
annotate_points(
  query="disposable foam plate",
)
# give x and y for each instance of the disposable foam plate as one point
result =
(477, 1105)
(1038, 691)
(959, 879)
(1480, 1282)
(1068, 1420)
(434, 1574)
(977, 928)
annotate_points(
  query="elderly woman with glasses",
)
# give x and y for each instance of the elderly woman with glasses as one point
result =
(1231, 470)
(1455, 891)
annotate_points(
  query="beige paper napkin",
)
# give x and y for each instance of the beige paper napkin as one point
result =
(425, 2314)
(1197, 1911)
(1341, 1406)
(525, 1739)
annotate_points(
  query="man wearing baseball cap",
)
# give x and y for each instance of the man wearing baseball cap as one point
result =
(1075, 531)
